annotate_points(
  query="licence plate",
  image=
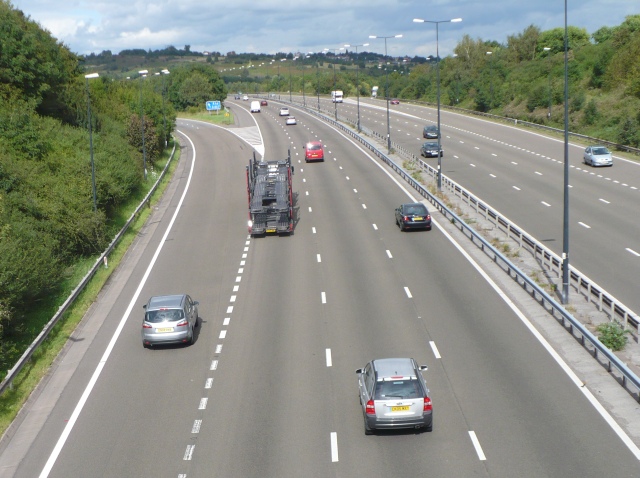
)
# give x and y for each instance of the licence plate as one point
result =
(165, 329)
(418, 218)
(400, 409)
(271, 230)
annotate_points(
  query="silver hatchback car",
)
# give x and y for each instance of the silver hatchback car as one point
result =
(394, 394)
(598, 156)
(169, 319)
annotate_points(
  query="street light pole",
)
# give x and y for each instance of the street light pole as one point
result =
(565, 223)
(453, 20)
(386, 88)
(93, 169)
(164, 116)
(357, 79)
(546, 48)
(335, 103)
(143, 74)
(490, 78)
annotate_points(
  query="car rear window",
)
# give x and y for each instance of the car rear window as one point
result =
(390, 389)
(164, 315)
(314, 147)
(421, 210)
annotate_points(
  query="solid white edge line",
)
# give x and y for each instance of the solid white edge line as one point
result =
(476, 445)
(328, 355)
(563, 365)
(96, 374)
(334, 447)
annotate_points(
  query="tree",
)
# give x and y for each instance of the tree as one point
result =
(524, 46)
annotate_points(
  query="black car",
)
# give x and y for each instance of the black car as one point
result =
(413, 216)
(430, 150)
(430, 132)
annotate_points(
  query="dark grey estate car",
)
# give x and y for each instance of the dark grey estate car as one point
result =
(430, 150)
(393, 394)
(430, 132)
(169, 319)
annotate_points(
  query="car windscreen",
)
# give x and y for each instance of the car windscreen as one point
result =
(164, 315)
(599, 151)
(390, 389)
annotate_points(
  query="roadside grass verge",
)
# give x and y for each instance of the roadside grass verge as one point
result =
(40, 362)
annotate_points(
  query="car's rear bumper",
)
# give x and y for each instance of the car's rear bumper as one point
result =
(168, 338)
(417, 225)
(376, 423)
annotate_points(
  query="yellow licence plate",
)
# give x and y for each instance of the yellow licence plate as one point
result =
(271, 230)
(400, 409)
(165, 329)
(418, 218)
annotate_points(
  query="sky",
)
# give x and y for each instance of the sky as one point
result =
(272, 26)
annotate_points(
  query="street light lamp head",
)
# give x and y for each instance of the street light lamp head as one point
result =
(456, 20)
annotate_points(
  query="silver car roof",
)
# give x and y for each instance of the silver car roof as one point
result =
(394, 367)
(165, 302)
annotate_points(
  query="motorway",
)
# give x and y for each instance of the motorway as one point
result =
(520, 173)
(269, 388)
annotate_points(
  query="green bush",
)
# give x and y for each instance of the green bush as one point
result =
(612, 335)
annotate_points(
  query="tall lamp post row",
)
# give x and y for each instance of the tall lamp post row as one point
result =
(437, 23)
(386, 88)
(357, 79)
(335, 103)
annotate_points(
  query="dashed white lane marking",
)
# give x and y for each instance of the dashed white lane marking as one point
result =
(238, 279)
(218, 348)
(318, 258)
(389, 254)
(334, 447)
(584, 225)
(436, 353)
(605, 201)
(189, 452)
(513, 162)
(347, 178)
(328, 356)
(517, 188)
(209, 383)
(306, 193)
(408, 292)
(203, 403)
(223, 334)
(546, 203)
(492, 175)
(313, 230)
(375, 227)
(229, 309)
(637, 254)
(196, 426)
(364, 206)
(323, 297)
(214, 363)
(309, 208)
(476, 445)
(355, 191)
(538, 173)
(233, 298)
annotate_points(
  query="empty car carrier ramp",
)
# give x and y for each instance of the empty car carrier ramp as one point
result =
(270, 196)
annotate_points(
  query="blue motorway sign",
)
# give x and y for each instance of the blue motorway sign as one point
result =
(213, 105)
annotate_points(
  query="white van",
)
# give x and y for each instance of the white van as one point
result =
(255, 107)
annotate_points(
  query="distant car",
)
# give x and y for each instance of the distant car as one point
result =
(313, 151)
(395, 101)
(263, 103)
(284, 111)
(245, 98)
(413, 216)
(169, 319)
(430, 132)
(236, 97)
(598, 156)
(291, 120)
(394, 395)
(430, 150)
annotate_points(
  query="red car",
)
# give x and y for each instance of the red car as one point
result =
(263, 103)
(313, 151)
(395, 101)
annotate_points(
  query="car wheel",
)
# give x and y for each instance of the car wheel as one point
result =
(192, 338)
(367, 430)
(402, 226)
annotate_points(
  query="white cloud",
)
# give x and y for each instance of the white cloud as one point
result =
(270, 26)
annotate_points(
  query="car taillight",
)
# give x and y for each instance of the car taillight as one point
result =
(371, 408)
(406, 218)
(428, 216)
(146, 326)
(182, 323)
(427, 405)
